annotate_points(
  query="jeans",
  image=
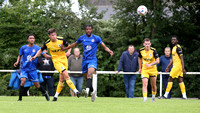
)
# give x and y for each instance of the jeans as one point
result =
(129, 81)
(165, 82)
(50, 84)
(78, 82)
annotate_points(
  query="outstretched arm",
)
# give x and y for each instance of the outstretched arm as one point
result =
(68, 47)
(153, 63)
(107, 49)
(37, 54)
(18, 59)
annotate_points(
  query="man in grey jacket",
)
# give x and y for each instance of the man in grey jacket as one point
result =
(75, 64)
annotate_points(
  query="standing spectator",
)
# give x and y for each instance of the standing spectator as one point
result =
(164, 62)
(44, 64)
(75, 64)
(129, 62)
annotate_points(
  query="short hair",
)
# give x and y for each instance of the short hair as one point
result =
(130, 45)
(88, 25)
(147, 39)
(51, 30)
(168, 48)
(30, 35)
(175, 36)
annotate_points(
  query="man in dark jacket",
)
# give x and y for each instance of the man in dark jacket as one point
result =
(44, 64)
(129, 62)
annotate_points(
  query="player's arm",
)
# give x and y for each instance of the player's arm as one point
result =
(167, 69)
(107, 49)
(68, 47)
(18, 60)
(156, 57)
(180, 53)
(47, 56)
(140, 64)
(36, 55)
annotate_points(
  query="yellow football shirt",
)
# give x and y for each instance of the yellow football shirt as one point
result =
(176, 53)
(148, 57)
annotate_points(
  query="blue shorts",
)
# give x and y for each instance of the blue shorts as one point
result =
(31, 75)
(86, 64)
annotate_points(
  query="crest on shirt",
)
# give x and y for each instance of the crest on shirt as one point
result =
(59, 45)
(150, 54)
(88, 47)
(33, 50)
(61, 67)
(92, 40)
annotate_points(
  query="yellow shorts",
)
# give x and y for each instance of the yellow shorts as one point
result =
(149, 73)
(176, 72)
(61, 65)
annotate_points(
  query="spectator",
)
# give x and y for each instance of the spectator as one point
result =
(75, 64)
(129, 62)
(44, 64)
(164, 62)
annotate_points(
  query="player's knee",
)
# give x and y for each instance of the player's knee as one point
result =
(37, 85)
(180, 80)
(170, 79)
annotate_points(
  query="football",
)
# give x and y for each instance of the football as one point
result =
(142, 10)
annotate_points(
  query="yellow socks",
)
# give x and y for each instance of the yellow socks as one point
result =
(59, 87)
(182, 86)
(145, 97)
(169, 87)
(70, 84)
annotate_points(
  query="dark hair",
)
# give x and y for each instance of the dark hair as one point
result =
(51, 30)
(130, 45)
(175, 36)
(88, 25)
(147, 39)
(30, 35)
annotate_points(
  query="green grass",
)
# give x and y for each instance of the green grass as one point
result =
(101, 105)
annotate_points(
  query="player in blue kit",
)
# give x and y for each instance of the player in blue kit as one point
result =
(89, 65)
(28, 68)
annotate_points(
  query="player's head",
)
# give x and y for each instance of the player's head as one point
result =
(167, 51)
(147, 43)
(31, 38)
(88, 29)
(76, 52)
(131, 49)
(52, 34)
(174, 40)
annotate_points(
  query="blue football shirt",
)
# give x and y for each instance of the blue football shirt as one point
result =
(28, 52)
(90, 45)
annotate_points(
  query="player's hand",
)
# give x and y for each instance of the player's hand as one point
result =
(116, 72)
(147, 65)
(33, 58)
(139, 70)
(67, 54)
(15, 64)
(158, 73)
(184, 71)
(111, 53)
(167, 70)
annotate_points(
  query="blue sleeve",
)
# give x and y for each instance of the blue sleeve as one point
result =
(99, 40)
(120, 63)
(79, 40)
(21, 52)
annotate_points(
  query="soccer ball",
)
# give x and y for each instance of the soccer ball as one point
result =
(142, 10)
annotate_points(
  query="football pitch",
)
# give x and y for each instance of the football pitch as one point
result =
(38, 104)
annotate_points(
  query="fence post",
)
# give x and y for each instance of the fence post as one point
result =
(94, 83)
(160, 84)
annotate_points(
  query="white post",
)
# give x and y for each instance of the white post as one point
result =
(160, 84)
(94, 82)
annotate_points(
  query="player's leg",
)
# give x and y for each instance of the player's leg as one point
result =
(23, 77)
(43, 84)
(169, 86)
(21, 89)
(182, 87)
(73, 79)
(34, 78)
(59, 87)
(89, 86)
(144, 88)
(70, 83)
(153, 87)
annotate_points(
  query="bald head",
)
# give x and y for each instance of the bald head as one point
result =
(167, 51)
(76, 52)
